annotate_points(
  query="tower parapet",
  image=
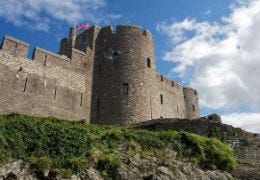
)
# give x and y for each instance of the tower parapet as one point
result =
(15, 47)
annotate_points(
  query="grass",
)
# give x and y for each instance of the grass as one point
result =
(70, 147)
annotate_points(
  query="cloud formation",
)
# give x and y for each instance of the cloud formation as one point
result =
(42, 14)
(221, 60)
(251, 124)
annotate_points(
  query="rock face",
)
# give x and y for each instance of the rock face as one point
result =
(155, 169)
(16, 170)
(136, 168)
(246, 145)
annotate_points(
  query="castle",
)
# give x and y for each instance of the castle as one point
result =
(100, 75)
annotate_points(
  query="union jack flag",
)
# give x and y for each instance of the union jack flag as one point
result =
(83, 26)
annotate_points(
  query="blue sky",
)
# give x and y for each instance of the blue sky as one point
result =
(210, 45)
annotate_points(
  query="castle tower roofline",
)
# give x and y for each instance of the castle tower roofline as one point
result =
(121, 28)
(15, 40)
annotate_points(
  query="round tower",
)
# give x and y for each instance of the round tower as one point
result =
(125, 78)
(192, 104)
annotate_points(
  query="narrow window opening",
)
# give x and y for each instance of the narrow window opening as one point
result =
(149, 62)
(161, 78)
(177, 108)
(129, 28)
(15, 50)
(99, 69)
(45, 59)
(172, 84)
(161, 97)
(116, 58)
(55, 92)
(193, 108)
(25, 84)
(81, 97)
(98, 104)
(125, 88)
(195, 92)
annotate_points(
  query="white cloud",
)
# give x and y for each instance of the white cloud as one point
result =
(248, 121)
(221, 60)
(42, 14)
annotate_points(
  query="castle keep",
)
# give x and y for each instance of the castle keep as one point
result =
(101, 75)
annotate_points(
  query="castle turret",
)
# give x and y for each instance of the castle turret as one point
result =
(192, 104)
(125, 80)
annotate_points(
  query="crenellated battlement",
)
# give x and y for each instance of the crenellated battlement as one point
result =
(43, 57)
(168, 82)
(14, 46)
(103, 75)
(126, 29)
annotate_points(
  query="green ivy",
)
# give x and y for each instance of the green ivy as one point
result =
(67, 146)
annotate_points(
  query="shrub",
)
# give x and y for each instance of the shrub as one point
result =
(108, 164)
(41, 163)
(64, 173)
(60, 144)
(78, 164)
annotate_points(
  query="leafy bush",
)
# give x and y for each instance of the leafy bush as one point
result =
(78, 164)
(73, 146)
(41, 163)
(108, 164)
(65, 173)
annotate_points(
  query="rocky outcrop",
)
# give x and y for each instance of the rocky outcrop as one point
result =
(246, 145)
(135, 167)
(16, 170)
(171, 169)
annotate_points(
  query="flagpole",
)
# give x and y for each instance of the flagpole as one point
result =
(75, 25)
(73, 34)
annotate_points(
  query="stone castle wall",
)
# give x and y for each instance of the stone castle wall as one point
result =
(47, 85)
(104, 76)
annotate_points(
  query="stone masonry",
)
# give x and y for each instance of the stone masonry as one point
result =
(246, 145)
(101, 76)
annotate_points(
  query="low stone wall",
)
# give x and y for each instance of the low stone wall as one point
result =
(246, 145)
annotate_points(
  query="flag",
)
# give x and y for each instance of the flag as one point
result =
(83, 26)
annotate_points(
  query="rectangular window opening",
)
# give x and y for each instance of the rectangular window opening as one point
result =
(25, 84)
(99, 69)
(193, 108)
(98, 104)
(125, 89)
(148, 62)
(161, 97)
(15, 50)
(81, 98)
(55, 92)
(45, 59)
